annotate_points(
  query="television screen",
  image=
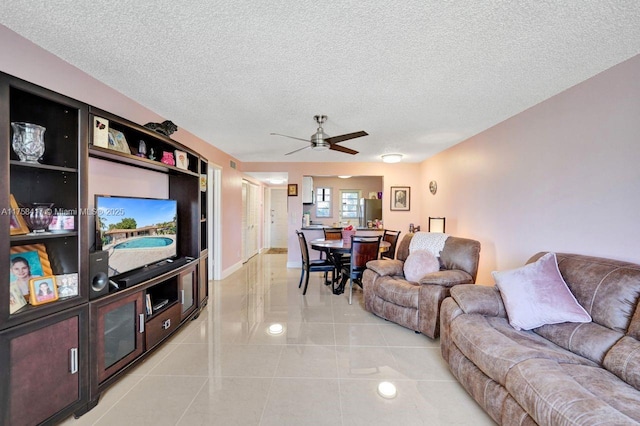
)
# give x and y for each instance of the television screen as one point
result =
(136, 232)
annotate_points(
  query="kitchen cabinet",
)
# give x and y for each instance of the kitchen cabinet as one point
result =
(307, 190)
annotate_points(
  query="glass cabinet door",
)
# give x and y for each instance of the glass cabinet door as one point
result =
(187, 291)
(120, 334)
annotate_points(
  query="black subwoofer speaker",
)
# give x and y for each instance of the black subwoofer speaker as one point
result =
(98, 274)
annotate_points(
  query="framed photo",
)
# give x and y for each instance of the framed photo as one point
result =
(182, 160)
(292, 190)
(16, 299)
(27, 262)
(43, 290)
(118, 142)
(17, 225)
(203, 183)
(67, 285)
(401, 198)
(100, 132)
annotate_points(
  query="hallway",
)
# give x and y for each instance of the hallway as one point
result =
(224, 368)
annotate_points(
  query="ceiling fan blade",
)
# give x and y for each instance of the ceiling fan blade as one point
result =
(291, 137)
(293, 152)
(341, 138)
(342, 149)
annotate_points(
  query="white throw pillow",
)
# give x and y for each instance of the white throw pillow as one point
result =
(536, 294)
(420, 263)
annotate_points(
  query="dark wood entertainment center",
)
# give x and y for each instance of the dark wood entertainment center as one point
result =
(58, 357)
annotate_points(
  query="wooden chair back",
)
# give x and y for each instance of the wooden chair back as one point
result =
(392, 238)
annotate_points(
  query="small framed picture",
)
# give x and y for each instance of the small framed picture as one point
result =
(16, 299)
(67, 285)
(203, 183)
(17, 225)
(182, 160)
(292, 190)
(27, 262)
(118, 142)
(401, 198)
(43, 290)
(100, 132)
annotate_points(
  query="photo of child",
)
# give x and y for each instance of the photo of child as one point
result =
(43, 290)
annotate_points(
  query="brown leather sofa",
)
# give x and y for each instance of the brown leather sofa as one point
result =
(416, 305)
(567, 373)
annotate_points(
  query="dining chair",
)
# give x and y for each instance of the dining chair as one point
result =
(332, 234)
(335, 234)
(363, 249)
(308, 266)
(392, 238)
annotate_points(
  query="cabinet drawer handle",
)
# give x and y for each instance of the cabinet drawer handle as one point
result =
(141, 329)
(73, 360)
(166, 324)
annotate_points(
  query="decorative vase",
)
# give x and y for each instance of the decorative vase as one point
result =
(167, 158)
(28, 141)
(39, 217)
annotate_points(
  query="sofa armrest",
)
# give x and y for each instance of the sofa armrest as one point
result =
(479, 299)
(389, 267)
(447, 278)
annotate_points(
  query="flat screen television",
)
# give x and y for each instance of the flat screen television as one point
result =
(135, 232)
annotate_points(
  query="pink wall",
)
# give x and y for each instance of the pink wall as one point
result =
(563, 175)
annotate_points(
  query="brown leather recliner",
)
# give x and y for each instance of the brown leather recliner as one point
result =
(416, 305)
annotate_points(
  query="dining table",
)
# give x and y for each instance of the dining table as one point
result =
(336, 250)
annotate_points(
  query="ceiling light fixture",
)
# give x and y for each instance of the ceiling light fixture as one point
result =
(387, 390)
(344, 177)
(391, 158)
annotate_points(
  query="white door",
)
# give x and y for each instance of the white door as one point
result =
(278, 218)
(250, 215)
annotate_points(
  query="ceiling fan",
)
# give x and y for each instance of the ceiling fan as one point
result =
(320, 141)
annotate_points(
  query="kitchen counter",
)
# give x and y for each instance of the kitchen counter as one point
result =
(321, 227)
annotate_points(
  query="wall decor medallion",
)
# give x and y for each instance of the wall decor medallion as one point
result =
(433, 187)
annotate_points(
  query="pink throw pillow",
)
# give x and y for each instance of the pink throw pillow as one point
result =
(420, 263)
(536, 294)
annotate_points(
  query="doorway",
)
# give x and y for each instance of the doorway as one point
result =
(250, 225)
(278, 218)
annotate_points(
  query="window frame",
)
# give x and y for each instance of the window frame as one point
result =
(323, 195)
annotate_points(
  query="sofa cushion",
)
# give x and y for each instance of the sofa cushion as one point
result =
(608, 289)
(420, 263)
(398, 291)
(536, 294)
(623, 360)
(554, 393)
(495, 347)
(591, 340)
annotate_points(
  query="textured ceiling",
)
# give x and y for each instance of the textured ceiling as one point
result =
(417, 75)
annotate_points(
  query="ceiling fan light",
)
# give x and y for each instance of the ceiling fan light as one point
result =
(391, 158)
(320, 147)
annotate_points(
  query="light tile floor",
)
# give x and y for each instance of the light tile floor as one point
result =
(225, 369)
